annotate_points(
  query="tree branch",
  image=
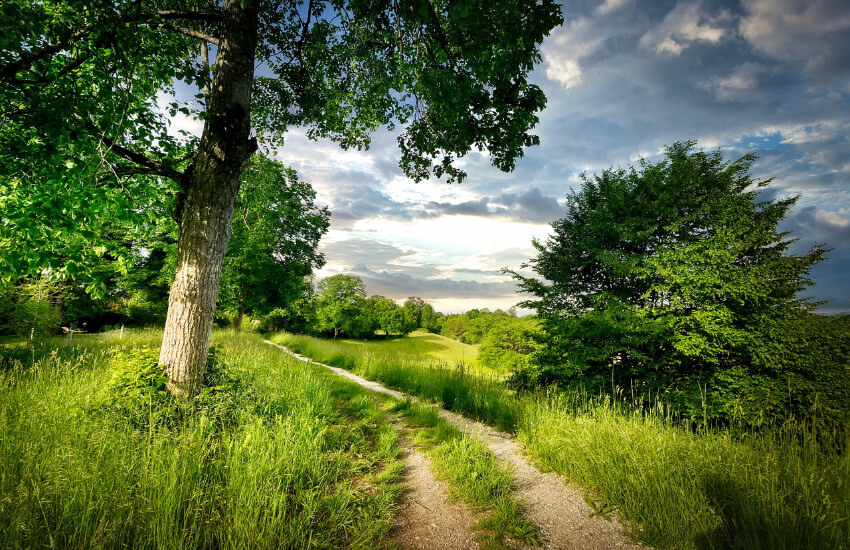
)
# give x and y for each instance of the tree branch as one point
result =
(9, 70)
(193, 33)
(148, 165)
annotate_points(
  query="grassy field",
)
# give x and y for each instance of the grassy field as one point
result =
(296, 458)
(676, 487)
(418, 346)
(276, 454)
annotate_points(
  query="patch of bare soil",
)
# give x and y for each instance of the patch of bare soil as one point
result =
(559, 510)
(427, 521)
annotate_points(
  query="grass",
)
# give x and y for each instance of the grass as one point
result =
(480, 396)
(708, 489)
(675, 488)
(421, 345)
(315, 467)
(474, 476)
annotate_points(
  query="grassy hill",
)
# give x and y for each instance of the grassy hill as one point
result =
(419, 344)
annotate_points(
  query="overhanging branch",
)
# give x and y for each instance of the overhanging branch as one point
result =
(27, 59)
(149, 165)
(193, 33)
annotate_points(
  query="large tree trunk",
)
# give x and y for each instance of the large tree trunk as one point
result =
(205, 209)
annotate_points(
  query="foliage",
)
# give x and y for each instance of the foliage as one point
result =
(473, 326)
(508, 343)
(673, 279)
(31, 308)
(85, 141)
(420, 314)
(388, 316)
(340, 306)
(275, 232)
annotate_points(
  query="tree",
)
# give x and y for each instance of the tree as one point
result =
(341, 307)
(79, 83)
(31, 308)
(508, 343)
(387, 315)
(272, 248)
(674, 279)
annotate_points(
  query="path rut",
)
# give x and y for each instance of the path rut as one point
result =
(559, 510)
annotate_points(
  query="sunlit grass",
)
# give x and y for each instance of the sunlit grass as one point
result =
(317, 468)
(481, 396)
(424, 345)
(675, 487)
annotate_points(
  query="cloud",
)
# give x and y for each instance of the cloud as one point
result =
(623, 79)
(400, 286)
(684, 25)
(529, 205)
(739, 85)
(815, 34)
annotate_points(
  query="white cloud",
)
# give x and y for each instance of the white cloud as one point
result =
(737, 85)
(567, 45)
(564, 70)
(609, 6)
(684, 25)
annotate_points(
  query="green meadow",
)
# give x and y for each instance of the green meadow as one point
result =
(418, 346)
(273, 453)
(277, 453)
(288, 456)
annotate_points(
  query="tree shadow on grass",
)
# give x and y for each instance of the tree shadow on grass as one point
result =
(750, 522)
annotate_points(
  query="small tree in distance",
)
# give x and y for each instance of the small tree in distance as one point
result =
(341, 307)
(672, 279)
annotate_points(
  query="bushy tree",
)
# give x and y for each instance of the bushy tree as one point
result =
(508, 343)
(673, 279)
(387, 315)
(273, 246)
(420, 314)
(341, 307)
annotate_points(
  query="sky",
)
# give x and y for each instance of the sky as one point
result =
(623, 78)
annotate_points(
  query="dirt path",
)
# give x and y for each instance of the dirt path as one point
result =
(427, 520)
(559, 510)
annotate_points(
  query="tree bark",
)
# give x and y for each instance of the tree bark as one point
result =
(205, 208)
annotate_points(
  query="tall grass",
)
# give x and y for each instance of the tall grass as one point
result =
(316, 468)
(675, 487)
